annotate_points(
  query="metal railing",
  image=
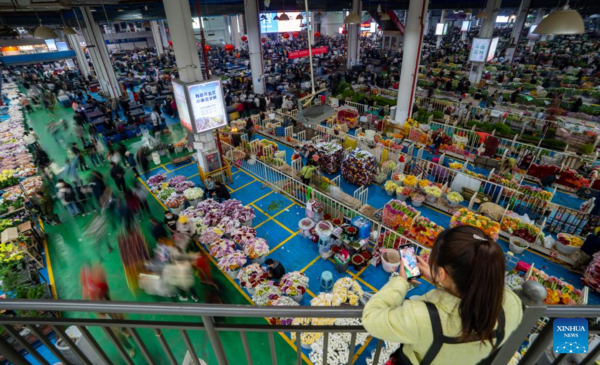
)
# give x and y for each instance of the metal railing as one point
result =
(202, 318)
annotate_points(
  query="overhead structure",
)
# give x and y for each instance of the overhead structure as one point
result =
(561, 22)
(254, 45)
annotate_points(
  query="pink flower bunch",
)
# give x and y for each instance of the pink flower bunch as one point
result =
(208, 236)
(228, 225)
(255, 248)
(221, 247)
(181, 187)
(230, 206)
(207, 205)
(176, 180)
(156, 180)
(213, 217)
(242, 234)
(243, 214)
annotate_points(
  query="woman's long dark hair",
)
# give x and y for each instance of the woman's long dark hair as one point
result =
(476, 265)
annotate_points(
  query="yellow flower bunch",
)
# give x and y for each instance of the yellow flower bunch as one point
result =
(7, 174)
(465, 217)
(390, 186)
(410, 181)
(424, 183)
(456, 165)
(10, 253)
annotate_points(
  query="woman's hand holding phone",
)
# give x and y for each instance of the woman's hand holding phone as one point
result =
(424, 268)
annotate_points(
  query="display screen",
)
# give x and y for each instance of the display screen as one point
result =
(465, 26)
(207, 106)
(275, 26)
(409, 259)
(502, 19)
(51, 44)
(439, 29)
(62, 46)
(182, 106)
(479, 50)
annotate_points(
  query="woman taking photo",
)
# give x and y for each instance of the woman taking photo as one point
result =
(468, 316)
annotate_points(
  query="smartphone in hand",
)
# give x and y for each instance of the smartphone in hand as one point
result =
(409, 259)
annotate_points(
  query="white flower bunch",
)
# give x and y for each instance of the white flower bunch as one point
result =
(337, 350)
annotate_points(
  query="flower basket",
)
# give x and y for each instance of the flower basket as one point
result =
(417, 199)
(294, 284)
(324, 229)
(221, 247)
(256, 249)
(243, 234)
(232, 263)
(251, 276)
(454, 199)
(305, 225)
(337, 222)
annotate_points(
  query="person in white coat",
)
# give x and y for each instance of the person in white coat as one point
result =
(180, 274)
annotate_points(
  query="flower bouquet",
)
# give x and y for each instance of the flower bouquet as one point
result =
(228, 225)
(176, 180)
(464, 217)
(193, 195)
(360, 167)
(266, 293)
(256, 249)
(348, 290)
(454, 198)
(330, 156)
(183, 186)
(244, 215)
(166, 193)
(10, 253)
(433, 193)
(398, 215)
(398, 178)
(282, 301)
(156, 180)
(210, 235)
(456, 165)
(360, 259)
(324, 229)
(410, 181)
(337, 222)
(425, 231)
(342, 260)
(243, 234)
(558, 291)
(251, 276)
(424, 183)
(221, 247)
(351, 233)
(232, 263)
(212, 217)
(305, 225)
(390, 187)
(175, 202)
(294, 285)
(516, 228)
(208, 205)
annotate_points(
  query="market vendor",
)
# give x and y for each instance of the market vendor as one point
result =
(171, 220)
(590, 246)
(547, 181)
(276, 269)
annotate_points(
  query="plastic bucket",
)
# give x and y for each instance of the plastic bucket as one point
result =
(416, 203)
(259, 260)
(298, 298)
(370, 134)
(156, 158)
(177, 210)
(341, 268)
(402, 197)
(390, 192)
(431, 198)
(390, 260)
(233, 274)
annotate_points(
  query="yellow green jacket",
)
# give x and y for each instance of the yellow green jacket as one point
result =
(388, 316)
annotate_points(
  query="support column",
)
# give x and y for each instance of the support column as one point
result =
(413, 43)
(84, 68)
(520, 22)
(313, 25)
(254, 45)
(236, 35)
(163, 34)
(440, 37)
(486, 31)
(184, 44)
(427, 22)
(99, 55)
(353, 30)
(160, 50)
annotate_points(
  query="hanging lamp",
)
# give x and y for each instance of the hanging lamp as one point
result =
(283, 17)
(482, 15)
(42, 32)
(276, 17)
(352, 18)
(561, 22)
(67, 30)
(385, 16)
(299, 16)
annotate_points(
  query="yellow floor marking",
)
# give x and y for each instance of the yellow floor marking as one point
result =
(155, 197)
(310, 293)
(366, 284)
(282, 242)
(243, 186)
(48, 264)
(361, 349)
(251, 203)
(310, 263)
(180, 167)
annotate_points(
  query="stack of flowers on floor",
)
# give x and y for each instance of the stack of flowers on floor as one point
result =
(330, 156)
(359, 168)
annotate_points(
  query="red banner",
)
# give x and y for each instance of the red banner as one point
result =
(304, 52)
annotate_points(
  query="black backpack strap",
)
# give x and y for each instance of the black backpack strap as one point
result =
(438, 334)
(500, 330)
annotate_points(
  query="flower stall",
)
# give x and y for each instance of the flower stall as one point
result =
(331, 155)
(347, 115)
(465, 217)
(513, 226)
(424, 231)
(359, 168)
(569, 179)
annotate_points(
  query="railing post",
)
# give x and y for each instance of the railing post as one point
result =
(215, 340)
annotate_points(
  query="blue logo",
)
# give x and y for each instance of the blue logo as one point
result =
(570, 336)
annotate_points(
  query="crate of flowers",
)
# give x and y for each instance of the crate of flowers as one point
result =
(398, 215)
(347, 115)
(360, 167)
(465, 217)
(515, 227)
(425, 231)
(558, 291)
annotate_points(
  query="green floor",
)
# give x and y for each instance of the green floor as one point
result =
(69, 249)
